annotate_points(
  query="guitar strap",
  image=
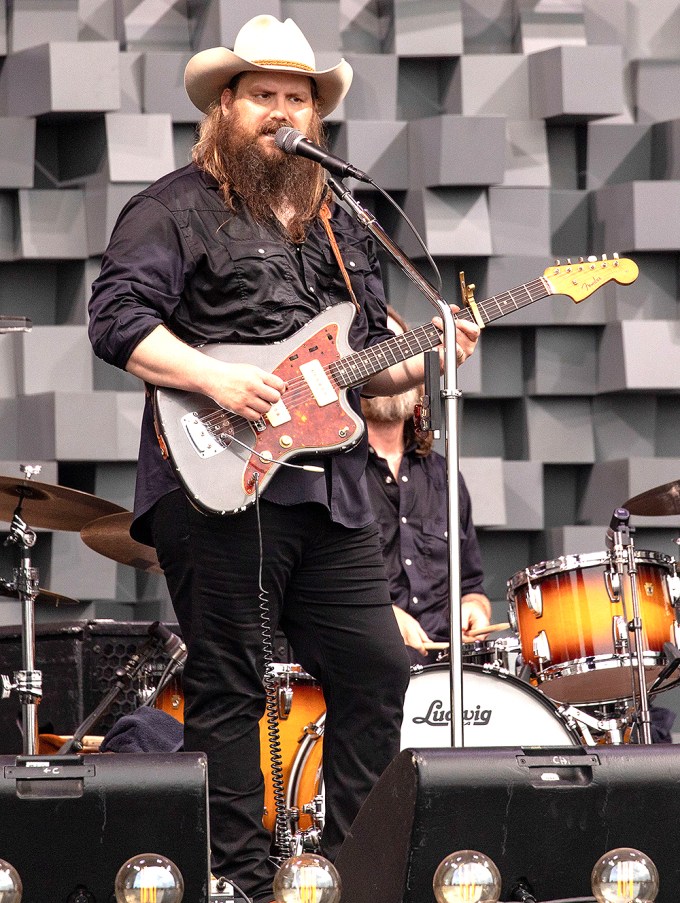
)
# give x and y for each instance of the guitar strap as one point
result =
(325, 215)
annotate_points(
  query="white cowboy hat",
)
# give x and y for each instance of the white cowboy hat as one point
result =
(264, 44)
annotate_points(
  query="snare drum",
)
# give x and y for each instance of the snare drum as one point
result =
(572, 623)
(499, 710)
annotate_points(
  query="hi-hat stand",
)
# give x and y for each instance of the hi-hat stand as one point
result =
(27, 682)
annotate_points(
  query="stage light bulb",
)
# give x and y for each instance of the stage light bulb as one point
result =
(149, 878)
(11, 888)
(307, 878)
(467, 876)
(625, 875)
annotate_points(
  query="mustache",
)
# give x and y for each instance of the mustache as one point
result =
(271, 128)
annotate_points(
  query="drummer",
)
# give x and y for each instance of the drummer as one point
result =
(407, 486)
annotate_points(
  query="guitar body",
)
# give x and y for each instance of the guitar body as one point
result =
(206, 443)
(221, 459)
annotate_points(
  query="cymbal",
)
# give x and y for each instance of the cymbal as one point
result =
(51, 507)
(44, 597)
(110, 536)
(658, 501)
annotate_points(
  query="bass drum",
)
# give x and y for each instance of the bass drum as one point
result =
(500, 710)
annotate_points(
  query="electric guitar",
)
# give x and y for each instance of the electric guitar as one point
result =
(220, 458)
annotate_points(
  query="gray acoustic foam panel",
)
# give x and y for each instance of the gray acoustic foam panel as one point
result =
(512, 133)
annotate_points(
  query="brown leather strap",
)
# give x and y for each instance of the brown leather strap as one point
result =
(325, 215)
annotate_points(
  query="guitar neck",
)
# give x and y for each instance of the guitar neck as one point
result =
(357, 368)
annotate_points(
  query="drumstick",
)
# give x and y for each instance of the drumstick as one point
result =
(490, 628)
(477, 631)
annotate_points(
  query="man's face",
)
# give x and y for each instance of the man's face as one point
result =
(263, 102)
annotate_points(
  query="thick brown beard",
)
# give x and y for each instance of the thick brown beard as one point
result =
(265, 179)
(391, 408)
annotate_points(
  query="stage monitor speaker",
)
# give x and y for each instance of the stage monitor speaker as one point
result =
(545, 815)
(70, 822)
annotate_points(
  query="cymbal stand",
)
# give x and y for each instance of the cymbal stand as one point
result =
(623, 548)
(27, 682)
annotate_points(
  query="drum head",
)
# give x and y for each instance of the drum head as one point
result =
(498, 710)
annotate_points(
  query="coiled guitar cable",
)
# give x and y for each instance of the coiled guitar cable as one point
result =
(283, 839)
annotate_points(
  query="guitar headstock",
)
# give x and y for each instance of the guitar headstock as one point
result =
(580, 279)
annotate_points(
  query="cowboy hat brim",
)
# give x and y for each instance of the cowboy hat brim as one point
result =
(209, 72)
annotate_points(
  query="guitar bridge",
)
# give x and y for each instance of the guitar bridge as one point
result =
(205, 443)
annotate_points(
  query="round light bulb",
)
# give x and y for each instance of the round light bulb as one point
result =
(467, 876)
(307, 878)
(149, 878)
(11, 887)
(625, 875)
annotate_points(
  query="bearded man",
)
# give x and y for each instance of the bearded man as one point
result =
(244, 245)
(406, 482)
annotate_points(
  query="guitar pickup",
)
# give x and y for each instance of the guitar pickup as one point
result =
(203, 441)
(320, 385)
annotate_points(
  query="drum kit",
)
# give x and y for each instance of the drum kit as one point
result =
(593, 637)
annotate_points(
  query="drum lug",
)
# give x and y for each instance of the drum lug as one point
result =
(620, 634)
(285, 701)
(542, 647)
(612, 583)
(512, 618)
(534, 597)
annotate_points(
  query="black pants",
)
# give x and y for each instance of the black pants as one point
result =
(325, 587)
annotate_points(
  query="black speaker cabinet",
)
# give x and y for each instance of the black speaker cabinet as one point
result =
(70, 822)
(542, 814)
(78, 660)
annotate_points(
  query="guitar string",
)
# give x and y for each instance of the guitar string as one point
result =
(298, 391)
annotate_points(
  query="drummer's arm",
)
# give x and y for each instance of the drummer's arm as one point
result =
(475, 612)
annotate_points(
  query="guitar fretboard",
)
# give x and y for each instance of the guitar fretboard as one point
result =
(357, 368)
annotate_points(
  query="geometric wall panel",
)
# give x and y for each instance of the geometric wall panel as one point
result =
(139, 146)
(576, 83)
(31, 24)
(456, 150)
(514, 132)
(526, 160)
(450, 221)
(484, 480)
(626, 361)
(52, 223)
(17, 152)
(637, 216)
(657, 89)
(427, 28)
(379, 148)
(492, 83)
(57, 78)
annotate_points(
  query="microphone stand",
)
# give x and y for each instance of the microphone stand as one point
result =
(450, 395)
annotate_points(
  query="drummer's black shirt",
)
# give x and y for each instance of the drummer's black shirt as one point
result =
(179, 257)
(411, 512)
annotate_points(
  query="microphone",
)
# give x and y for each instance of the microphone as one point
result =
(172, 644)
(292, 141)
(620, 518)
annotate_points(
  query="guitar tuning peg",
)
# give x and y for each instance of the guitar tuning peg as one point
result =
(569, 260)
(604, 256)
(580, 260)
(557, 262)
(592, 258)
(615, 255)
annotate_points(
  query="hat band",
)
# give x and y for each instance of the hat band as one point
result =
(288, 63)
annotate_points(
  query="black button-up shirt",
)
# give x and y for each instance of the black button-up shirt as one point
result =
(412, 516)
(179, 257)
